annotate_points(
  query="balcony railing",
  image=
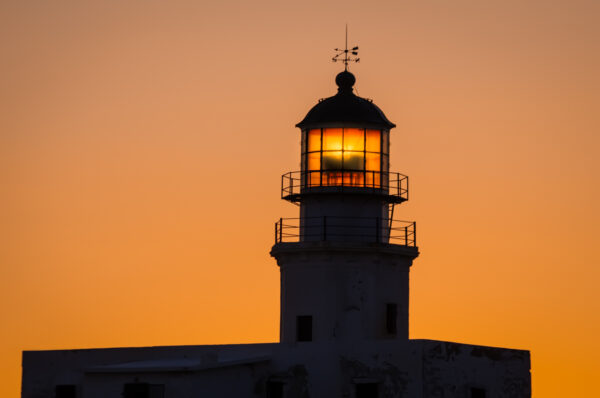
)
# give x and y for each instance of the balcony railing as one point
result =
(346, 229)
(296, 183)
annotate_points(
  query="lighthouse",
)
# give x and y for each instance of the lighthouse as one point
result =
(345, 260)
(344, 264)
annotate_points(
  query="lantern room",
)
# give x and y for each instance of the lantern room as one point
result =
(345, 147)
(345, 156)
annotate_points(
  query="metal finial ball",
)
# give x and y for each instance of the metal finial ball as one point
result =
(345, 80)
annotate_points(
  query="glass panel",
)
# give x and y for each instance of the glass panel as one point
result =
(354, 160)
(373, 141)
(373, 161)
(332, 178)
(332, 160)
(314, 179)
(376, 180)
(354, 178)
(314, 140)
(314, 161)
(332, 139)
(386, 142)
(354, 140)
(370, 179)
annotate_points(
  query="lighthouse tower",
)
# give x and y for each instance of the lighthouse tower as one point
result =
(344, 266)
(345, 261)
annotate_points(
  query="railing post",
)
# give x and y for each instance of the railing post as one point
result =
(378, 229)
(324, 228)
(276, 232)
(280, 229)
(414, 234)
(406, 236)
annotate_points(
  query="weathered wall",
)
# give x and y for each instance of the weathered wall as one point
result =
(401, 369)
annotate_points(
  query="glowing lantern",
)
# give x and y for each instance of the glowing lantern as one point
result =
(345, 141)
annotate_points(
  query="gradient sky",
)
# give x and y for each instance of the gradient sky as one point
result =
(142, 143)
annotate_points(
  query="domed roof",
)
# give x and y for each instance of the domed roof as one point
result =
(345, 108)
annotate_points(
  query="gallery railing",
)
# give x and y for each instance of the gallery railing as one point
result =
(349, 229)
(296, 183)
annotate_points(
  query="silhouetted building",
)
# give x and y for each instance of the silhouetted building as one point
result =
(344, 267)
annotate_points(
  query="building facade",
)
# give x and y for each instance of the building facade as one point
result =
(344, 265)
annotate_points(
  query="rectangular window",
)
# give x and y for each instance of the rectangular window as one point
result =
(477, 392)
(354, 140)
(65, 391)
(143, 390)
(367, 390)
(373, 141)
(314, 140)
(373, 161)
(332, 139)
(274, 389)
(314, 161)
(391, 318)
(354, 160)
(314, 179)
(304, 328)
(332, 160)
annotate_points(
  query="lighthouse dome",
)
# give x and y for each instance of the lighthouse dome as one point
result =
(345, 109)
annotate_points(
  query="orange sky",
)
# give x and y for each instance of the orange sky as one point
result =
(142, 143)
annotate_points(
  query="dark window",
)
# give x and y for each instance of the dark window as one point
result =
(143, 390)
(304, 328)
(274, 389)
(66, 391)
(477, 392)
(367, 390)
(391, 316)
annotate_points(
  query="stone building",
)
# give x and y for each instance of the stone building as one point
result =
(344, 267)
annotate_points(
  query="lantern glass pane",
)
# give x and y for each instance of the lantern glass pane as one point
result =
(332, 139)
(354, 160)
(314, 140)
(332, 160)
(354, 140)
(373, 161)
(314, 161)
(373, 141)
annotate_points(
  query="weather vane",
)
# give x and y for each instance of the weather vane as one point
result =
(345, 55)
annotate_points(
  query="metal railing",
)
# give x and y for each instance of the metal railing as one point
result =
(346, 229)
(296, 183)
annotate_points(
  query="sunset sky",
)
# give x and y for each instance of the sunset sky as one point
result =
(142, 144)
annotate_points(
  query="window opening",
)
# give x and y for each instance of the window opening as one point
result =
(367, 390)
(274, 389)
(65, 391)
(304, 328)
(391, 318)
(143, 390)
(478, 392)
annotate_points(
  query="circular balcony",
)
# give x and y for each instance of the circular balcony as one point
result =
(346, 229)
(297, 184)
